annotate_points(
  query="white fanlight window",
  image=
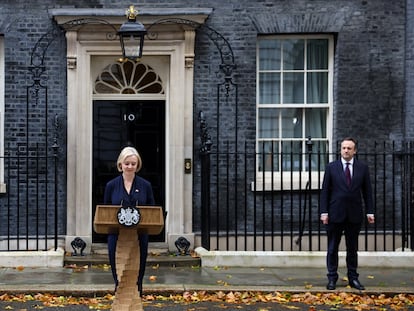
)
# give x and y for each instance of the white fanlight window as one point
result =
(128, 78)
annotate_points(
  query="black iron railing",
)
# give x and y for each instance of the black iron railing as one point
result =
(263, 200)
(29, 217)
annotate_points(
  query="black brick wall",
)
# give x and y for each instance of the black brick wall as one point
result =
(373, 87)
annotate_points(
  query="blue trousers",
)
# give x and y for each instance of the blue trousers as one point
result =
(143, 242)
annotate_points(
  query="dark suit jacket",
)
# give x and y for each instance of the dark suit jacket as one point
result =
(141, 192)
(343, 203)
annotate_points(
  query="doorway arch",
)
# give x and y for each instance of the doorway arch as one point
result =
(128, 121)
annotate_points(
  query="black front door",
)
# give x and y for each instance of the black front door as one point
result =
(117, 124)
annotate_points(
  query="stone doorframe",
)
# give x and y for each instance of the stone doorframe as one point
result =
(91, 39)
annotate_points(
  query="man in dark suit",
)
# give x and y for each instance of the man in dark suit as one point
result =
(346, 182)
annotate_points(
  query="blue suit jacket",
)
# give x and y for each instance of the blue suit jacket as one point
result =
(343, 203)
(141, 192)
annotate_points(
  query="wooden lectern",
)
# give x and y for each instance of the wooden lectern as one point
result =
(127, 297)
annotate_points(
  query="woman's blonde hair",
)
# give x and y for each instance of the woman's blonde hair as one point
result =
(125, 153)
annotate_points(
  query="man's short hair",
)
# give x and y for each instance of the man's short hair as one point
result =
(351, 139)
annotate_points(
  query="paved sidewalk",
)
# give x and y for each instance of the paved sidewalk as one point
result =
(95, 280)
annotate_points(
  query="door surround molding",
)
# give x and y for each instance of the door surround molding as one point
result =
(84, 42)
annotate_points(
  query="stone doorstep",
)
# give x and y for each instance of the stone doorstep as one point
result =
(163, 259)
(158, 254)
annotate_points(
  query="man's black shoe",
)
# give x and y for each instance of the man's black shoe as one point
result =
(331, 285)
(355, 284)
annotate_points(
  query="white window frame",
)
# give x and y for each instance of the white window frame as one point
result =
(2, 184)
(294, 180)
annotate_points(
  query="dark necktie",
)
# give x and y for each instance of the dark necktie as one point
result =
(348, 174)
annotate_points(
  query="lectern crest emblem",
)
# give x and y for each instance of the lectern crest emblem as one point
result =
(128, 216)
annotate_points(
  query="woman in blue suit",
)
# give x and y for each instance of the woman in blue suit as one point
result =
(128, 189)
(346, 182)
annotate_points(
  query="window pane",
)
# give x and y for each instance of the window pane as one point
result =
(293, 54)
(319, 157)
(268, 156)
(293, 88)
(315, 120)
(291, 123)
(269, 55)
(269, 88)
(317, 87)
(317, 54)
(291, 158)
(268, 123)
